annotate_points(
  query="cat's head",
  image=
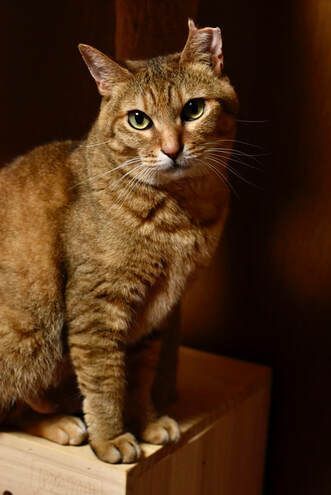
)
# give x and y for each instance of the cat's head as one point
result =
(167, 117)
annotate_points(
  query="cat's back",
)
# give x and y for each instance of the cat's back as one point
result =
(34, 191)
(35, 185)
(41, 175)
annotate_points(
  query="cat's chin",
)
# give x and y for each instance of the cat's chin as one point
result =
(165, 176)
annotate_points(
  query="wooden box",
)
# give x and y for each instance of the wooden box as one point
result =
(223, 412)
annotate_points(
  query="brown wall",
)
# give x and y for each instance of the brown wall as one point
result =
(267, 297)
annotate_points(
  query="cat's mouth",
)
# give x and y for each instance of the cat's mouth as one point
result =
(176, 166)
(176, 171)
(163, 173)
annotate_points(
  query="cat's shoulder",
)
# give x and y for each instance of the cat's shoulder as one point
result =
(54, 150)
(45, 156)
(43, 173)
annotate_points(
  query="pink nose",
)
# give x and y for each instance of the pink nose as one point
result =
(172, 151)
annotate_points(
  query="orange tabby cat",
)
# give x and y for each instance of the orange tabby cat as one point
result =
(98, 241)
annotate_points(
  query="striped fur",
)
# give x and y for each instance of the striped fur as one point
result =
(95, 255)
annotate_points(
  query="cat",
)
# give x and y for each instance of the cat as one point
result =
(98, 240)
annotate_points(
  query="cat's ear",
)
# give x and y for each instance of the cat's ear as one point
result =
(105, 71)
(204, 45)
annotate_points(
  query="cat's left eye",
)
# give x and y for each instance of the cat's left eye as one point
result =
(193, 109)
(139, 120)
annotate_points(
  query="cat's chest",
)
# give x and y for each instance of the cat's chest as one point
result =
(154, 256)
(182, 254)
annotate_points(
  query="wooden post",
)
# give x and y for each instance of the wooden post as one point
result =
(147, 28)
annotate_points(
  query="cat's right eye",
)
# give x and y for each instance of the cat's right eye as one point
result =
(139, 120)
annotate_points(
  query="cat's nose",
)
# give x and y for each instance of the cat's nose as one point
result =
(172, 151)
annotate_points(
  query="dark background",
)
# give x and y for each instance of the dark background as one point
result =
(267, 297)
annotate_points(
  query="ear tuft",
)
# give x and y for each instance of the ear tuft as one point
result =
(104, 71)
(204, 45)
(191, 25)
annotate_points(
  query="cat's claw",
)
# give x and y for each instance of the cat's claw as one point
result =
(161, 431)
(122, 449)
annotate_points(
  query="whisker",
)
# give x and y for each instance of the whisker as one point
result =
(125, 192)
(245, 164)
(93, 145)
(235, 151)
(234, 172)
(243, 121)
(133, 184)
(227, 155)
(223, 177)
(219, 174)
(238, 153)
(229, 158)
(122, 165)
(146, 174)
(238, 141)
(129, 172)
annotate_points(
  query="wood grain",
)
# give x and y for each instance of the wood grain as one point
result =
(222, 409)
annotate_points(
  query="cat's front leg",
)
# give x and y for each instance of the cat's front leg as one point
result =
(99, 361)
(98, 328)
(144, 360)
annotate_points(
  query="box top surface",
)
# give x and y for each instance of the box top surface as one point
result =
(209, 386)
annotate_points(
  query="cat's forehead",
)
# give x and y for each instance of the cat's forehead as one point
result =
(164, 84)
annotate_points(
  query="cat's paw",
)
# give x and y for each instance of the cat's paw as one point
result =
(123, 448)
(161, 431)
(65, 430)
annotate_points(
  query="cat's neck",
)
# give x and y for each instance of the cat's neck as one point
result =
(203, 198)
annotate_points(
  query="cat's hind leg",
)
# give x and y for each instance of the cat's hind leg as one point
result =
(59, 428)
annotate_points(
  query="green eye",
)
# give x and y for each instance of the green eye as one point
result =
(193, 109)
(139, 120)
